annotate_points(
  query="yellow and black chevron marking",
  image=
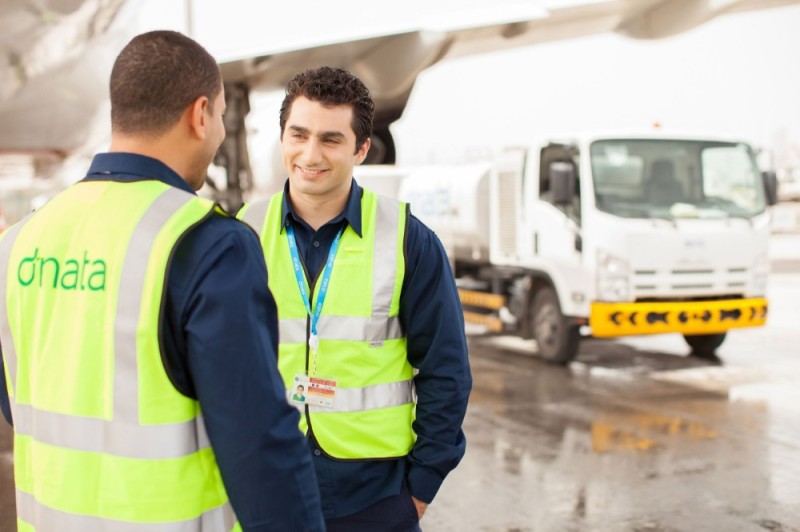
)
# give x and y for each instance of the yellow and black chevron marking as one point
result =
(689, 317)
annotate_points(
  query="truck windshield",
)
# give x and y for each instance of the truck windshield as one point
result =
(676, 179)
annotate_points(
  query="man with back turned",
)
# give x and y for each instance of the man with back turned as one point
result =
(139, 342)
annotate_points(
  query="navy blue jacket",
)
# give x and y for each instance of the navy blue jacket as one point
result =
(430, 312)
(219, 337)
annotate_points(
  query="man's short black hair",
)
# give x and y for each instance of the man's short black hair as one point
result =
(156, 77)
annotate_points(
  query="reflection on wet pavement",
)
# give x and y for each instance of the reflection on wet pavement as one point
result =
(604, 446)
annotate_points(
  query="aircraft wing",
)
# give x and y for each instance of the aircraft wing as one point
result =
(390, 62)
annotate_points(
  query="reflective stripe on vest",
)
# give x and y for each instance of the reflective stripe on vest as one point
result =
(352, 328)
(6, 341)
(374, 403)
(146, 464)
(29, 511)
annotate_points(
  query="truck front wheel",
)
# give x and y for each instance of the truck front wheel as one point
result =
(704, 345)
(556, 337)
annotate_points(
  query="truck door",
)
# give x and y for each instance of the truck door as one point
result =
(555, 212)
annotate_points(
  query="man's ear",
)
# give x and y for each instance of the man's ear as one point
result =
(198, 117)
(361, 154)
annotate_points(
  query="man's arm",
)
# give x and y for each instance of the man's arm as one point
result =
(228, 320)
(4, 405)
(431, 314)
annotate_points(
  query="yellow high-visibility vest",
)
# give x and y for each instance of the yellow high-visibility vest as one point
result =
(102, 439)
(362, 343)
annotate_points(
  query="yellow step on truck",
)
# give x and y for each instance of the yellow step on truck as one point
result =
(605, 235)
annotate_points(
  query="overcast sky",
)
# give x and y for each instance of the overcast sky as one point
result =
(738, 75)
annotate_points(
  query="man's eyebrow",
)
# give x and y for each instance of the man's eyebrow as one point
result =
(324, 134)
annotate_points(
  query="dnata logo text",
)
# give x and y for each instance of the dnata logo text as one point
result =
(67, 274)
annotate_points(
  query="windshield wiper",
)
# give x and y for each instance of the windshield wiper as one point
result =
(669, 219)
(742, 217)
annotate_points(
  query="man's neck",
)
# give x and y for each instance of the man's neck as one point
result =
(162, 149)
(316, 211)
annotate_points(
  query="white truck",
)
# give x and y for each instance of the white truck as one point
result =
(608, 235)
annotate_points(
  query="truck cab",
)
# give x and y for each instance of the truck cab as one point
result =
(671, 233)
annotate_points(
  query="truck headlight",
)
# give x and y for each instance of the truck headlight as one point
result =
(760, 274)
(613, 278)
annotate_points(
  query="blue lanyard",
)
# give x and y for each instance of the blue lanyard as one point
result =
(300, 276)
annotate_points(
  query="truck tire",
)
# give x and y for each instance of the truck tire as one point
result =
(704, 345)
(556, 337)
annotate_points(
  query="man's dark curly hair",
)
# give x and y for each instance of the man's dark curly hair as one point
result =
(332, 87)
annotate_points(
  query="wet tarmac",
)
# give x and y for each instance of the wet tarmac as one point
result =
(633, 436)
(605, 446)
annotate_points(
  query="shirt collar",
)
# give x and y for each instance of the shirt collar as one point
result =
(351, 213)
(121, 166)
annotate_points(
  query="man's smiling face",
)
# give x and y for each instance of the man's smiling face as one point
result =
(319, 149)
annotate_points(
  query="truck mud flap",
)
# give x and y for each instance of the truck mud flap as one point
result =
(687, 317)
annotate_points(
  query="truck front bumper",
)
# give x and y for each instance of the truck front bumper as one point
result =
(687, 317)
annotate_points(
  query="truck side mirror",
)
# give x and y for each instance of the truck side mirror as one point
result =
(562, 182)
(770, 180)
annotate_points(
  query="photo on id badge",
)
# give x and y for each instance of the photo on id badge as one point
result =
(299, 394)
(314, 391)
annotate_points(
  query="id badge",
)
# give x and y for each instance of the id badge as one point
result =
(314, 391)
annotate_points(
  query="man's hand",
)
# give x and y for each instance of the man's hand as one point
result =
(421, 506)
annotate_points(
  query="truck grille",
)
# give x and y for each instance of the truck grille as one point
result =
(677, 281)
